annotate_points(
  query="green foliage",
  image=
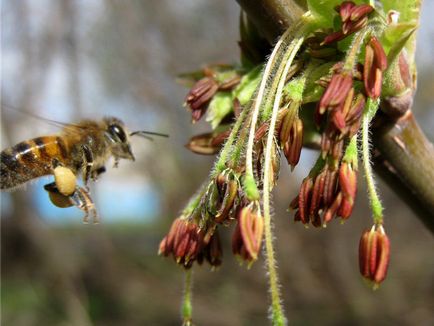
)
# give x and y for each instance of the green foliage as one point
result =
(395, 38)
(222, 103)
(220, 106)
(408, 9)
(248, 84)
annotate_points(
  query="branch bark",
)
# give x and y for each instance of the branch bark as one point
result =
(405, 157)
(272, 17)
(406, 163)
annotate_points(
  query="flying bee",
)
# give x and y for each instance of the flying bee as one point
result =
(79, 149)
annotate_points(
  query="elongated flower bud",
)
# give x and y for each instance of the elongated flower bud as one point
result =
(228, 193)
(348, 185)
(200, 95)
(212, 251)
(247, 237)
(207, 143)
(374, 254)
(375, 64)
(291, 136)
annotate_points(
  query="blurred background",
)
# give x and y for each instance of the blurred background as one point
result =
(67, 60)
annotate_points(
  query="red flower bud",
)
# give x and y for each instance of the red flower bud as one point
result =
(348, 180)
(360, 11)
(304, 199)
(247, 237)
(374, 254)
(345, 10)
(208, 143)
(375, 64)
(228, 193)
(333, 37)
(292, 141)
(335, 94)
(348, 185)
(200, 95)
(212, 251)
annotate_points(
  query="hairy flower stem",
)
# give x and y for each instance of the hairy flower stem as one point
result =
(239, 147)
(376, 206)
(272, 72)
(354, 49)
(220, 165)
(278, 317)
(187, 308)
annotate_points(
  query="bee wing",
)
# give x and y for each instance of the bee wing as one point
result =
(67, 127)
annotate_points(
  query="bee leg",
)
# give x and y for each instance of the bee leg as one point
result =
(81, 199)
(97, 173)
(87, 164)
(116, 163)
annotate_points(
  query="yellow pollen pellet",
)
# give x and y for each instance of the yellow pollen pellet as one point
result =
(65, 180)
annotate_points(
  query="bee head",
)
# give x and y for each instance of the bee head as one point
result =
(118, 138)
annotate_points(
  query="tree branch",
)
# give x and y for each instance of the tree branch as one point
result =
(406, 163)
(272, 17)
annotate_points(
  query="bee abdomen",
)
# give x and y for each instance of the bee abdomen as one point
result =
(30, 159)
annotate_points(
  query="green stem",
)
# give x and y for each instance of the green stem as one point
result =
(279, 54)
(376, 206)
(220, 165)
(187, 308)
(278, 317)
(351, 151)
(239, 147)
(354, 49)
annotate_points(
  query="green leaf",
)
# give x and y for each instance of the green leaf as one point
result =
(409, 12)
(294, 89)
(395, 38)
(323, 11)
(244, 91)
(408, 9)
(224, 76)
(219, 107)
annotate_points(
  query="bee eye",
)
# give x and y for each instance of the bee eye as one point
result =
(117, 133)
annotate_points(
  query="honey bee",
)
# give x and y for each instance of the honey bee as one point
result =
(79, 149)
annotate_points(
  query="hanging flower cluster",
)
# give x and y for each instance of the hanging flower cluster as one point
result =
(320, 87)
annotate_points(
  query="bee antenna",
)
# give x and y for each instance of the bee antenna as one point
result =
(144, 134)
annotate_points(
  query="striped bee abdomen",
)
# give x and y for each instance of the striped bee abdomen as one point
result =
(30, 159)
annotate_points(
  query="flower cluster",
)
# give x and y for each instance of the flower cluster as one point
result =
(354, 17)
(215, 79)
(328, 91)
(194, 236)
(187, 243)
(330, 188)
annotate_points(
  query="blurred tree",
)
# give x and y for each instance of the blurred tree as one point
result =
(74, 59)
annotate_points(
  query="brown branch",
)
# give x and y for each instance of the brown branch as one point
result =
(405, 156)
(272, 17)
(406, 162)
